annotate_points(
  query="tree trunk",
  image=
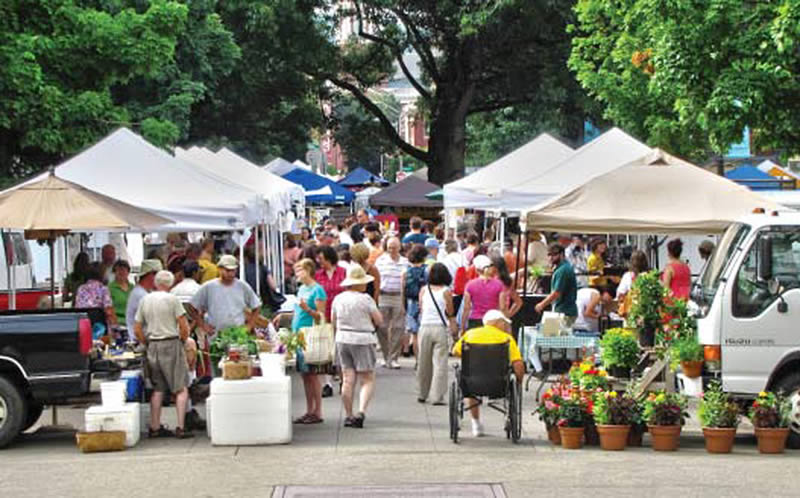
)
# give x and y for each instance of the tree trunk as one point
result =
(447, 143)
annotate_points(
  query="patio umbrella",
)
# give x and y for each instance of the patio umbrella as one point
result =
(51, 207)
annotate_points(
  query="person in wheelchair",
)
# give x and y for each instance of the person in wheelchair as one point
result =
(495, 330)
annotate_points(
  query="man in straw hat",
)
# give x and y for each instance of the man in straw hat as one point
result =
(355, 316)
(146, 283)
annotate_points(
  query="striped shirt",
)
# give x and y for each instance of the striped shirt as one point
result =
(391, 272)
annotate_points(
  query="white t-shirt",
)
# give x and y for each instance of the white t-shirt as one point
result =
(429, 315)
(353, 312)
(134, 299)
(158, 313)
(185, 290)
(583, 299)
(625, 284)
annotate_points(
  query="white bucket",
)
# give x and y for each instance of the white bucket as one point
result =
(690, 387)
(272, 364)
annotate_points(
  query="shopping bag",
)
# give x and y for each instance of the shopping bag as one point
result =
(319, 344)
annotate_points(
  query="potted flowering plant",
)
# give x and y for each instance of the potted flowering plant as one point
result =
(647, 296)
(586, 376)
(770, 414)
(719, 417)
(550, 406)
(688, 353)
(573, 414)
(290, 342)
(665, 414)
(614, 414)
(619, 351)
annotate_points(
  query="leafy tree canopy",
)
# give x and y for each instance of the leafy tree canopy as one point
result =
(689, 76)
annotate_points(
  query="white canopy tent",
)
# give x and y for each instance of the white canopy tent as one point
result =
(656, 193)
(126, 167)
(278, 193)
(480, 189)
(605, 153)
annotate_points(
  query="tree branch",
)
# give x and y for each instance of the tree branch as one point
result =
(418, 42)
(388, 126)
(396, 50)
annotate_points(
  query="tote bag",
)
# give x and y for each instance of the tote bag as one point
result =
(319, 344)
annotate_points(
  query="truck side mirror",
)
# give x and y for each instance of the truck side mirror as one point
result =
(764, 272)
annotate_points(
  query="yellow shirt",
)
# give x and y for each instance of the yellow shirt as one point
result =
(208, 270)
(595, 265)
(489, 335)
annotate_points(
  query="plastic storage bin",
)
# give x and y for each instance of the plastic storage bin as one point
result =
(251, 411)
(113, 394)
(124, 418)
(134, 383)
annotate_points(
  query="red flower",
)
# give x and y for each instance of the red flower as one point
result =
(590, 372)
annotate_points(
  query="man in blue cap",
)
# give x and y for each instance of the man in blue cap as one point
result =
(432, 245)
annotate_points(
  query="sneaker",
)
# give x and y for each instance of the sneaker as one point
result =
(394, 365)
(327, 391)
(383, 364)
(477, 428)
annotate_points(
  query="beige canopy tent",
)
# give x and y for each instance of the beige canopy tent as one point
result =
(657, 193)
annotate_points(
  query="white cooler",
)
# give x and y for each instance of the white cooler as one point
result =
(251, 411)
(123, 418)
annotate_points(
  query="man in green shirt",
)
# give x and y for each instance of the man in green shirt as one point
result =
(120, 288)
(564, 286)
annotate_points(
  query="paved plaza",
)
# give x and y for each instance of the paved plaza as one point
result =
(404, 445)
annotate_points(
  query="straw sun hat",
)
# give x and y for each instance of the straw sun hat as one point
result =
(356, 276)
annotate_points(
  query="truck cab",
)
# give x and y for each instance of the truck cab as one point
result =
(749, 309)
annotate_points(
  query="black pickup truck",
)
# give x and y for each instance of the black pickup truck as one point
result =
(44, 360)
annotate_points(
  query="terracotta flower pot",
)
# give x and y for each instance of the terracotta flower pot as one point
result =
(635, 435)
(553, 435)
(665, 437)
(571, 437)
(613, 437)
(592, 438)
(719, 439)
(692, 369)
(772, 440)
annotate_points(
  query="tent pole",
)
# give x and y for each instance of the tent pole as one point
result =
(241, 255)
(258, 273)
(51, 243)
(525, 268)
(516, 265)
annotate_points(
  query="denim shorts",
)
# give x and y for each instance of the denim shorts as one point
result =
(412, 316)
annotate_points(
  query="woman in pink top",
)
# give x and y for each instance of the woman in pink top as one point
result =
(677, 276)
(481, 294)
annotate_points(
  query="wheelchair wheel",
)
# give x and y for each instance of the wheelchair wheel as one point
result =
(454, 409)
(515, 411)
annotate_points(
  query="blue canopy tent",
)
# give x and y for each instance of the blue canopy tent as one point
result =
(753, 178)
(360, 177)
(319, 190)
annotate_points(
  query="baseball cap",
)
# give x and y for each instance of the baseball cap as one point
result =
(493, 315)
(150, 266)
(228, 262)
(432, 243)
(481, 262)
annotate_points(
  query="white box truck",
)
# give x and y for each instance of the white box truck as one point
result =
(749, 309)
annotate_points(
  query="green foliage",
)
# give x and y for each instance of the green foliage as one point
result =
(612, 408)
(620, 348)
(685, 349)
(771, 410)
(232, 336)
(716, 409)
(665, 408)
(647, 301)
(689, 76)
(574, 411)
(360, 135)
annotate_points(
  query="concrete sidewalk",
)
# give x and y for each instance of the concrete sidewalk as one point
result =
(403, 442)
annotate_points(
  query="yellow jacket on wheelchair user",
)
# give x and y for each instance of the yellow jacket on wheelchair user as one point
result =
(489, 335)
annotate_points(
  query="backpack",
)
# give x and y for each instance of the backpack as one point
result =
(416, 278)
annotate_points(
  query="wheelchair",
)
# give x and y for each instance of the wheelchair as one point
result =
(485, 372)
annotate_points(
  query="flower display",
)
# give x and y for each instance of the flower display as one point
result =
(612, 408)
(587, 376)
(770, 410)
(665, 408)
(716, 409)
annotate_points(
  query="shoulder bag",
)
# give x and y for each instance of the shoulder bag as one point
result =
(438, 309)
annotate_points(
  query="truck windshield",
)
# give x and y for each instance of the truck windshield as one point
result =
(730, 240)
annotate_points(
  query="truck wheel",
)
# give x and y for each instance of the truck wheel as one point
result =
(790, 385)
(12, 412)
(35, 410)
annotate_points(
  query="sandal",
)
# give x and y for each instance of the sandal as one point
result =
(162, 431)
(312, 419)
(358, 422)
(182, 433)
(301, 419)
(348, 421)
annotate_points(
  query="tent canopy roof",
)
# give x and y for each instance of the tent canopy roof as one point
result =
(409, 192)
(657, 193)
(360, 177)
(479, 189)
(605, 153)
(312, 181)
(280, 166)
(752, 177)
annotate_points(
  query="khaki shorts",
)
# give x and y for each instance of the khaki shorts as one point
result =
(166, 365)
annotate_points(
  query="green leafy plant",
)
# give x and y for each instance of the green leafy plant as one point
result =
(612, 408)
(716, 409)
(665, 408)
(587, 376)
(619, 348)
(232, 336)
(770, 411)
(647, 301)
(676, 323)
(575, 411)
(552, 399)
(685, 349)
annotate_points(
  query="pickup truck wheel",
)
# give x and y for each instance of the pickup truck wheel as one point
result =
(12, 412)
(35, 410)
(791, 386)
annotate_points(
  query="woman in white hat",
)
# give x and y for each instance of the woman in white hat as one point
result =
(355, 316)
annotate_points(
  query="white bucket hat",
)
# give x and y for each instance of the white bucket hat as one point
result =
(356, 276)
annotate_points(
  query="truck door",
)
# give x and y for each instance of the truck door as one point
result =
(755, 334)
